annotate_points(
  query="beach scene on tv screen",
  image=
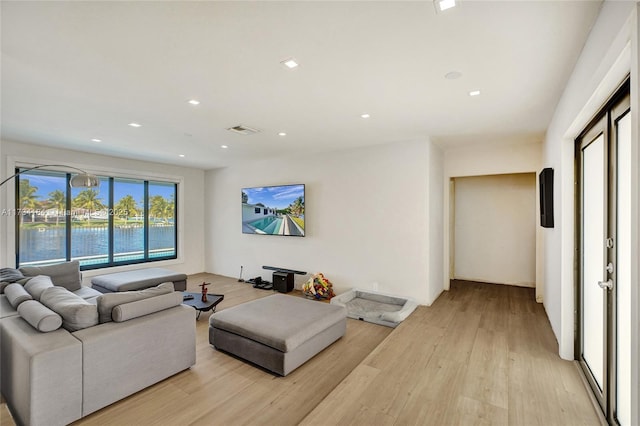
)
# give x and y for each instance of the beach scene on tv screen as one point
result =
(273, 210)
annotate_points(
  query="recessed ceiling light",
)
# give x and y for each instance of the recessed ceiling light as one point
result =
(442, 5)
(194, 102)
(96, 140)
(224, 146)
(135, 125)
(453, 75)
(474, 93)
(282, 134)
(181, 155)
(365, 116)
(290, 63)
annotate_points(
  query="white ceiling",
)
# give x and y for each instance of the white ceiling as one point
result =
(73, 71)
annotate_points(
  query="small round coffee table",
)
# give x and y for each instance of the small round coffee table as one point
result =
(195, 300)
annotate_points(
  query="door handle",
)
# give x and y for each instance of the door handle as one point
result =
(608, 284)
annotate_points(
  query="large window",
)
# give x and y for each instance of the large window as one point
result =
(162, 219)
(89, 224)
(129, 214)
(123, 221)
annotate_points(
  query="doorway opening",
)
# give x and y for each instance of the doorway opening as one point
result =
(493, 234)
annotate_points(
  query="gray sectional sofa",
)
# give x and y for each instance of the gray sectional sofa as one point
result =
(67, 351)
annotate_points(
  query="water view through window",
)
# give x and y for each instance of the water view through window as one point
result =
(123, 221)
(161, 216)
(128, 235)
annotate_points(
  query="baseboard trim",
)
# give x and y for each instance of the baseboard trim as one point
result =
(483, 281)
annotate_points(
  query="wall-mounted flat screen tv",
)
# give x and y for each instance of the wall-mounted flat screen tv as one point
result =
(273, 210)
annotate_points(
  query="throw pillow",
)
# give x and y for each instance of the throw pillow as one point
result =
(65, 274)
(36, 285)
(139, 308)
(76, 312)
(108, 301)
(16, 294)
(39, 316)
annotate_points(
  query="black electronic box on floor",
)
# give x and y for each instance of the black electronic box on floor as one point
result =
(283, 281)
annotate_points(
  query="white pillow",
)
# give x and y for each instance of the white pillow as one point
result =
(36, 285)
(39, 316)
(16, 294)
(108, 301)
(139, 308)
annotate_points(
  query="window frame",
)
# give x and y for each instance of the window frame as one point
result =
(111, 177)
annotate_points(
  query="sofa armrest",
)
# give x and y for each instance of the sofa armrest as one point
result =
(41, 373)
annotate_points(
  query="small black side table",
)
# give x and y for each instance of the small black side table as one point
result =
(199, 305)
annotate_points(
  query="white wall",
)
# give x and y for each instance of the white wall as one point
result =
(436, 222)
(495, 229)
(366, 219)
(481, 160)
(190, 199)
(601, 67)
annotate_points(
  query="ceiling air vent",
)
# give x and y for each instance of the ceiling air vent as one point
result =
(243, 130)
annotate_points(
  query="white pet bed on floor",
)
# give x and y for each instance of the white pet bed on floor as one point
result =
(378, 308)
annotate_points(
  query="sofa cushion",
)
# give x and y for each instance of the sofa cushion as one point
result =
(108, 301)
(139, 308)
(65, 274)
(87, 293)
(76, 312)
(39, 316)
(16, 294)
(36, 285)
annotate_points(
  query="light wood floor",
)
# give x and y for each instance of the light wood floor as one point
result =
(223, 390)
(5, 415)
(482, 354)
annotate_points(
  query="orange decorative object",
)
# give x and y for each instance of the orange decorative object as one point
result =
(204, 290)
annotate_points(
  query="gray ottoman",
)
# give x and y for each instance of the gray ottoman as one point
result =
(138, 280)
(279, 332)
